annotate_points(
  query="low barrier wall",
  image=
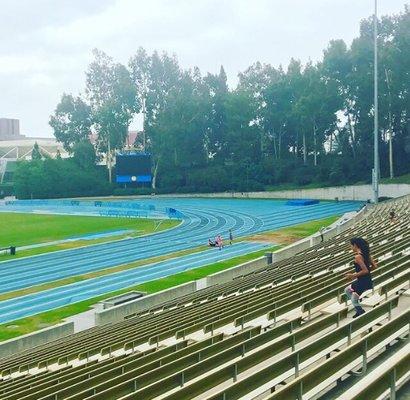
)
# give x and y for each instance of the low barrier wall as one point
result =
(352, 192)
(21, 343)
(231, 273)
(118, 313)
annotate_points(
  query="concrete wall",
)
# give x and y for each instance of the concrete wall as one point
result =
(13, 346)
(354, 192)
(357, 192)
(118, 313)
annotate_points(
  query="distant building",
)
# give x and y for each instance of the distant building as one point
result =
(131, 140)
(12, 151)
(15, 147)
(129, 143)
(10, 129)
(21, 149)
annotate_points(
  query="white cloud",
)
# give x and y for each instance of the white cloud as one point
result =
(49, 43)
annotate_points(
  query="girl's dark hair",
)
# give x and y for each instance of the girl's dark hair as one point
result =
(364, 248)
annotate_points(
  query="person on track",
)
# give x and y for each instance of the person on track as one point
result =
(219, 242)
(230, 236)
(363, 264)
(211, 243)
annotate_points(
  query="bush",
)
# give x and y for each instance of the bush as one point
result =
(58, 178)
(6, 189)
(303, 175)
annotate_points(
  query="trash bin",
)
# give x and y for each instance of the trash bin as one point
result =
(268, 258)
(13, 250)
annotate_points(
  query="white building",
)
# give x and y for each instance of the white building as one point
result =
(21, 149)
(12, 151)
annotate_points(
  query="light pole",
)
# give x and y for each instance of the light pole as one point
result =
(376, 116)
(390, 138)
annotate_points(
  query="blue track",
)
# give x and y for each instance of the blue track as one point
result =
(39, 302)
(203, 219)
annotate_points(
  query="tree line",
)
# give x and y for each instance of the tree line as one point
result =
(298, 124)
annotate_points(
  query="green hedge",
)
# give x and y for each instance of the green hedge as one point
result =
(6, 189)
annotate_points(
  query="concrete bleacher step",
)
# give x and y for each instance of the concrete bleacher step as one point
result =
(257, 382)
(264, 350)
(316, 381)
(372, 300)
(332, 308)
(383, 381)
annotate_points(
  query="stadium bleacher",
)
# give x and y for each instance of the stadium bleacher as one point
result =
(281, 332)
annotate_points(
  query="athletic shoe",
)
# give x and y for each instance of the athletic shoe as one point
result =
(359, 313)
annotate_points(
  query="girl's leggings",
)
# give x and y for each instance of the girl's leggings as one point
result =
(354, 297)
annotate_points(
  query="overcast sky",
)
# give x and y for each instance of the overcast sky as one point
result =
(46, 45)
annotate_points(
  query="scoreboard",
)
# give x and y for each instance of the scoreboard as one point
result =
(133, 168)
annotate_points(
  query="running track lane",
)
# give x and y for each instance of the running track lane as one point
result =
(32, 304)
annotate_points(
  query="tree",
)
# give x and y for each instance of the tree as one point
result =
(394, 89)
(140, 66)
(114, 102)
(257, 81)
(72, 121)
(35, 153)
(243, 135)
(179, 129)
(217, 93)
(317, 107)
(157, 78)
(297, 123)
(84, 155)
(276, 112)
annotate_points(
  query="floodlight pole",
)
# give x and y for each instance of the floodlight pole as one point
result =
(143, 121)
(376, 115)
(109, 161)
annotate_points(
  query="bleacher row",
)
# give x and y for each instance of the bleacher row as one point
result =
(281, 332)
